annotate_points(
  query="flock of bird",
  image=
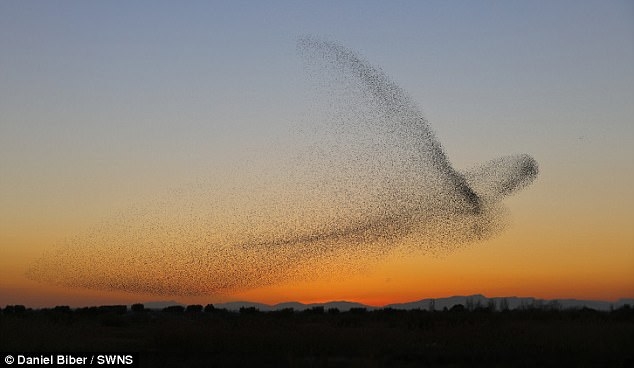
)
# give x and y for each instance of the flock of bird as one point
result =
(371, 180)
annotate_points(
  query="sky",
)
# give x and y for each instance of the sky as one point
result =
(103, 104)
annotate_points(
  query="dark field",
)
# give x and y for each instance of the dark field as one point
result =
(209, 337)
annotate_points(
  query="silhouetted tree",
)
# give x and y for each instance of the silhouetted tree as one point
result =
(285, 312)
(174, 309)
(194, 309)
(9, 309)
(137, 308)
(249, 310)
(62, 309)
(19, 308)
(315, 310)
(87, 311)
(209, 308)
(115, 309)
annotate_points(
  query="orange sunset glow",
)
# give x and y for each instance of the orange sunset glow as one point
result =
(197, 158)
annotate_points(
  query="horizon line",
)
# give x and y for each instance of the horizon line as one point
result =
(318, 303)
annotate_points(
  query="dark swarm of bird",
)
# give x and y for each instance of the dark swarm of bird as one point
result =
(370, 180)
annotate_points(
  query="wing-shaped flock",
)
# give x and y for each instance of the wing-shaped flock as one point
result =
(371, 180)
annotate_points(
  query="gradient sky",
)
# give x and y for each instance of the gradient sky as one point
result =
(107, 103)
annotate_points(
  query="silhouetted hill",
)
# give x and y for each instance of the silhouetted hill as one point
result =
(345, 306)
(469, 301)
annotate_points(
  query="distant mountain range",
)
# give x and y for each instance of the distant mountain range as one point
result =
(470, 301)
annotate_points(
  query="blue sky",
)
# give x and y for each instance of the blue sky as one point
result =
(478, 70)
